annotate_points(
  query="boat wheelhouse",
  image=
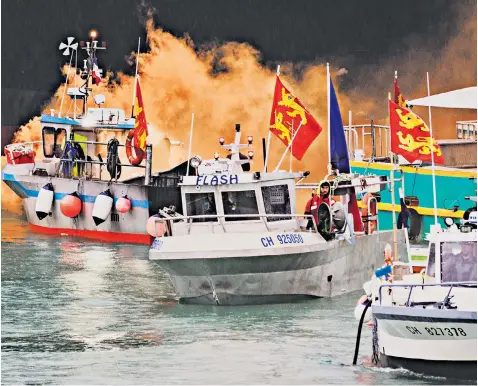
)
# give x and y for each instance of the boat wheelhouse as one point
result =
(240, 240)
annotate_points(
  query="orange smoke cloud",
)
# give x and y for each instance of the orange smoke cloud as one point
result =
(226, 84)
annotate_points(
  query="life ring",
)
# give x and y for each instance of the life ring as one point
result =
(132, 141)
(415, 224)
(366, 215)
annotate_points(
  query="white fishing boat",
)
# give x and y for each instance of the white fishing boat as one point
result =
(240, 239)
(426, 322)
(67, 186)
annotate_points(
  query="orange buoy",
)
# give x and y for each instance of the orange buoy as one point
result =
(123, 204)
(155, 228)
(70, 205)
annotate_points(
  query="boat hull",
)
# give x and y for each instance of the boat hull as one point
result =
(465, 370)
(453, 186)
(118, 227)
(270, 276)
(428, 341)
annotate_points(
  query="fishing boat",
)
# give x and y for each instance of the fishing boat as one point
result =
(426, 322)
(68, 188)
(455, 181)
(240, 240)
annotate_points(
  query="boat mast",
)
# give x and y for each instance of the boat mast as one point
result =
(433, 154)
(88, 65)
(328, 119)
(135, 80)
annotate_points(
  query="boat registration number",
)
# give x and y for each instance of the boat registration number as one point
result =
(437, 331)
(157, 244)
(282, 239)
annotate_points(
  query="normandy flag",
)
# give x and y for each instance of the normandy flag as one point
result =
(411, 136)
(140, 125)
(399, 99)
(289, 114)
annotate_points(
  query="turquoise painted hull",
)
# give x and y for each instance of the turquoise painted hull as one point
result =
(451, 191)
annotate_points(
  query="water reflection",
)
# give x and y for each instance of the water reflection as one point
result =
(64, 297)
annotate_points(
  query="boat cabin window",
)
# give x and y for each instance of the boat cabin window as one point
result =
(241, 202)
(276, 201)
(54, 141)
(201, 204)
(431, 262)
(458, 261)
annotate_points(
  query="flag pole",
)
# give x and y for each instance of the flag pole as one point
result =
(76, 69)
(288, 147)
(392, 175)
(290, 157)
(433, 154)
(190, 144)
(329, 166)
(66, 83)
(135, 77)
(267, 152)
(269, 133)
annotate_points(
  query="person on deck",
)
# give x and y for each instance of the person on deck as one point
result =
(312, 206)
(462, 266)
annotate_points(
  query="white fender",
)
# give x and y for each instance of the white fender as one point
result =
(102, 207)
(360, 308)
(44, 201)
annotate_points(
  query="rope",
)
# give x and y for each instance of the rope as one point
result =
(359, 332)
(414, 180)
(340, 178)
(375, 346)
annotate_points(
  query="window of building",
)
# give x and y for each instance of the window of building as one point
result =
(201, 204)
(240, 203)
(276, 201)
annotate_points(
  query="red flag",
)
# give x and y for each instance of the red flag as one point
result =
(288, 112)
(399, 99)
(140, 125)
(411, 136)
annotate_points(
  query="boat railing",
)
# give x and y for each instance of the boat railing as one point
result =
(23, 143)
(220, 219)
(63, 160)
(334, 186)
(411, 286)
(379, 138)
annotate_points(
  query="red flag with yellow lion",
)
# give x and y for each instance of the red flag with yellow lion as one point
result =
(289, 117)
(411, 136)
(136, 139)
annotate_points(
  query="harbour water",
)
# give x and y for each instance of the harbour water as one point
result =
(82, 312)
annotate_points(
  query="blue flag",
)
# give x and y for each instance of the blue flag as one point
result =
(339, 156)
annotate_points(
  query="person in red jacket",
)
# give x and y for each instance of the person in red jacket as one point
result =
(312, 206)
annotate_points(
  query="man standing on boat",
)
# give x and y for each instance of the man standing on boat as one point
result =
(462, 266)
(322, 196)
